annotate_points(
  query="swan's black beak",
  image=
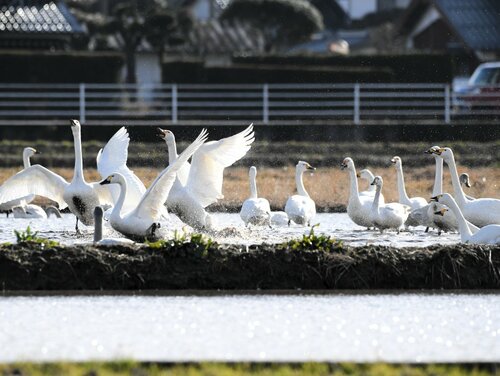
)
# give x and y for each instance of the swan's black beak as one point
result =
(435, 198)
(343, 166)
(429, 151)
(106, 181)
(311, 168)
(38, 152)
(358, 175)
(373, 182)
(393, 161)
(74, 122)
(162, 133)
(441, 212)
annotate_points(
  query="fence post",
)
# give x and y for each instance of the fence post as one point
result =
(356, 103)
(265, 103)
(447, 104)
(174, 103)
(82, 103)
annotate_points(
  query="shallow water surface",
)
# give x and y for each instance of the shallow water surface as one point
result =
(294, 327)
(233, 231)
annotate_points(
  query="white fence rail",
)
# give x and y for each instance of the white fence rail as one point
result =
(45, 104)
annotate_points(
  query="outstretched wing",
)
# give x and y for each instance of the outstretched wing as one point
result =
(207, 168)
(36, 180)
(151, 205)
(113, 158)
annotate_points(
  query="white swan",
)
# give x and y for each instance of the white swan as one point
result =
(142, 222)
(80, 196)
(358, 207)
(9, 205)
(300, 208)
(489, 234)
(368, 176)
(465, 180)
(481, 211)
(387, 216)
(279, 218)
(255, 210)
(414, 202)
(200, 184)
(29, 211)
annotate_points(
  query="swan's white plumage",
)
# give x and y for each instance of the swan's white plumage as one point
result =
(255, 210)
(368, 176)
(387, 216)
(489, 234)
(138, 222)
(36, 180)
(113, 158)
(29, 211)
(300, 208)
(413, 202)
(279, 218)
(204, 183)
(481, 211)
(358, 207)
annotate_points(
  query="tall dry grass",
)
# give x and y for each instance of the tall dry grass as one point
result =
(327, 186)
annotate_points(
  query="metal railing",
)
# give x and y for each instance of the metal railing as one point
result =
(46, 104)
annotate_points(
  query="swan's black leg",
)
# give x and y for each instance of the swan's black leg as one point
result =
(427, 229)
(289, 221)
(76, 227)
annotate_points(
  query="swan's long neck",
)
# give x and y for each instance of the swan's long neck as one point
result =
(354, 194)
(371, 187)
(438, 178)
(26, 160)
(172, 150)
(116, 213)
(78, 173)
(457, 188)
(463, 227)
(253, 187)
(300, 183)
(403, 197)
(376, 200)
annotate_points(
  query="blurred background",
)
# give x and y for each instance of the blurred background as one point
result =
(345, 69)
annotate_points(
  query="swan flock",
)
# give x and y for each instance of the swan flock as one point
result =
(186, 189)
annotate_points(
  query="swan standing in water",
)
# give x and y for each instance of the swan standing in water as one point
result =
(22, 201)
(358, 207)
(414, 202)
(255, 210)
(387, 216)
(200, 184)
(300, 208)
(142, 222)
(481, 211)
(489, 234)
(465, 180)
(80, 196)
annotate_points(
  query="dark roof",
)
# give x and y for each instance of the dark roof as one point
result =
(475, 22)
(214, 36)
(39, 18)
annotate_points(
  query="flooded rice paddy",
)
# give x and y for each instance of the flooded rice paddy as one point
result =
(232, 231)
(414, 327)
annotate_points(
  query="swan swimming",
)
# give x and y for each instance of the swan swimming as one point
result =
(35, 211)
(255, 210)
(81, 197)
(489, 234)
(142, 222)
(481, 211)
(200, 184)
(300, 208)
(358, 207)
(387, 216)
(22, 201)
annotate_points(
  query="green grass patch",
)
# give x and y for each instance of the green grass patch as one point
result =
(28, 236)
(313, 242)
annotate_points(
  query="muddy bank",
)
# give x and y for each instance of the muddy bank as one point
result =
(195, 265)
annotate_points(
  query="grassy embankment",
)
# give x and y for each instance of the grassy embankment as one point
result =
(129, 368)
